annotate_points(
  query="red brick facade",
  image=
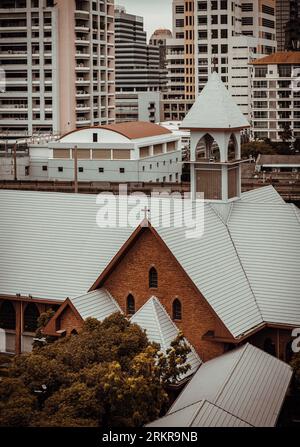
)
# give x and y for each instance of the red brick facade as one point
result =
(131, 275)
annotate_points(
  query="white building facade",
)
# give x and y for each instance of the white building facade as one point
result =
(128, 152)
(275, 98)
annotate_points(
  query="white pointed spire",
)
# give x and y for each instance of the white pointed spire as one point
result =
(214, 109)
(160, 329)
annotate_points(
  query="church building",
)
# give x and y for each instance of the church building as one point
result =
(237, 283)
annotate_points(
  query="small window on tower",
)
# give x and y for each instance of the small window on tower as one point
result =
(95, 138)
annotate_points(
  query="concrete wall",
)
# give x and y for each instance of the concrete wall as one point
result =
(7, 168)
(153, 169)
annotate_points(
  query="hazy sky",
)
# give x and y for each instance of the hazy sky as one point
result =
(156, 13)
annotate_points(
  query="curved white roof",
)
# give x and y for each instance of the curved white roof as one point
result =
(214, 109)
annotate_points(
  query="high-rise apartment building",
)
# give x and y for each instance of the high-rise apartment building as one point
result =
(288, 25)
(220, 35)
(137, 69)
(58, 59)
(175, 103)
(276, 96)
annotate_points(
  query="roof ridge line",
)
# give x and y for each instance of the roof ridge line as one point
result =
(242, 267)
(294, 210)
(111, 297)
(154, 300)
(230, 373)
(228, 412)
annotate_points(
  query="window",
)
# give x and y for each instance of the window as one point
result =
(80, 169)
(7, 316)
(130, 305)
(179, 9)
(45, 168)
(31, 316)
(224, 33)
(95, 137)
(27, 169)
(214, 20)
(179, 23)
(60, 169)
(101, 170)
(224, 20)
(202, 20)
(122, 170)
(214, 34)
(202, 6)
(247, 20)
(153, 278)
(176, 310)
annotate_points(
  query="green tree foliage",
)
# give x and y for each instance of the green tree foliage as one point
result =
(286, 134)
(254, 148)
(107, 375)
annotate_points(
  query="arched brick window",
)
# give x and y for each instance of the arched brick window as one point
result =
(130, 305)
(176, 310)
(7, 315)
(153, 278)
(74, 332)
(31, 315)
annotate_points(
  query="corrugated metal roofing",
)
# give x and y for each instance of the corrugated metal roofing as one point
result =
(200, 414)
(160, 329)
(214, 109)
(246, 383)
(96, 304)
(50, 244)
(246, 264)
(267, 239)
(212, 263)
(265, 194)
(268, 159)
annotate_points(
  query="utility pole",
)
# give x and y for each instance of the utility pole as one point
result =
(15, 162)
(75, 170)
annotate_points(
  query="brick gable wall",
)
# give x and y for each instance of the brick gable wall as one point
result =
(130, 276)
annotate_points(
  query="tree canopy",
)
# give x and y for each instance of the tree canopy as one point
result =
(108, 375)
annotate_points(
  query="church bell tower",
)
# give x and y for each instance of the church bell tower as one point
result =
(215, 122)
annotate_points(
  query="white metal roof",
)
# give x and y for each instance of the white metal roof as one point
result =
(96, 304)
(50, 244)
(214, 109)
(246, 265)
(247, 383)
(200, 414)
(160, 329)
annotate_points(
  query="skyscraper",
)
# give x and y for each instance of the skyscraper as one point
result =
(222, 36)
(58, 59)
(137, 70)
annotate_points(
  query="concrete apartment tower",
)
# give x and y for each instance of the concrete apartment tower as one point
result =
(275, 96)
(219, 35)
(58, 58)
